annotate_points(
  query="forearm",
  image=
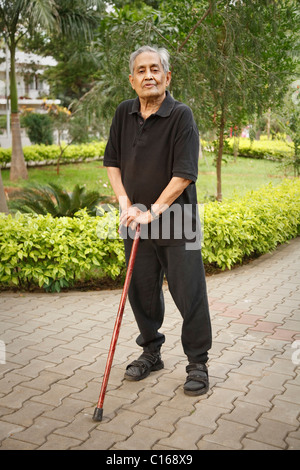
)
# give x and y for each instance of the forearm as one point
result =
(114, 176)
(172, 191)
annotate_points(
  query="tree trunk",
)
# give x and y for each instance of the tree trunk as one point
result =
(269, 123)
(236, 144)
(3, 204)
(219, 157)
(18, 166)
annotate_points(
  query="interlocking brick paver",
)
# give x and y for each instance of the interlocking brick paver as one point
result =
(55, 395)
(235, 381)
(271, 432)
(259, 395)
(123, 422)
(283, 334)
(228, 434)
(141, 439)
(245, 413)
(9, 429)
(56, 352)
(68, 409)
(38, 431)
(63, 443)
(18, 396)
(283, 411)
(43, 382)
(223, 397)
(291, 393)
(282, 366)
(254, 369)
(146, 402)
(219, 369)
(272, 380)
(99, 440)
(262, 355)
(250, 444)
(205, 415)
(185, 436)
(13, 444)
(164, 418)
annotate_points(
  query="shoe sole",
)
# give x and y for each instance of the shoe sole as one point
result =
(145, 374)
(196, 393)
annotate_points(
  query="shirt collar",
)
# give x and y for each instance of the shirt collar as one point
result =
(164, 110)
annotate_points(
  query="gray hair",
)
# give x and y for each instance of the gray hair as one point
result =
(162, 52)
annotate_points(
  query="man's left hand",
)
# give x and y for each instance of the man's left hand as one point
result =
(133, 216)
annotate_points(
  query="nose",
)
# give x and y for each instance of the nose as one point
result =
(148, 75)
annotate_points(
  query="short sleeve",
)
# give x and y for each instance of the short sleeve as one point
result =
(111, 150)
(186, 148)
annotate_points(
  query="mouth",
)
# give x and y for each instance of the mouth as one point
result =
(149, 85)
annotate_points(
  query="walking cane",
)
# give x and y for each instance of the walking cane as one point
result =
(99, 409)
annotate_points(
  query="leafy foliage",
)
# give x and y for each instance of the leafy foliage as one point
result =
(39, 128)
(269, 149)
(53, 253)
(47, 153)
(254, 224)
(54, 200)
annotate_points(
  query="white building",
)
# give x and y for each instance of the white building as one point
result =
(32, 88)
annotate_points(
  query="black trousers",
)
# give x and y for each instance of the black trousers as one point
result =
(186, 280)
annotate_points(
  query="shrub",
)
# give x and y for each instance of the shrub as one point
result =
(269, 149)
(253, 224)
(55, 252)
(39, 128)
(50, 153)
(54, 200)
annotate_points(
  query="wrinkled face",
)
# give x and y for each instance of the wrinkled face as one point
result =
(149, 79)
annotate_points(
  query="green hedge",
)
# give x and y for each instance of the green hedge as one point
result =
(275, 150)
(263, 148)
(253, 224)
(55, 253)
(45, 153)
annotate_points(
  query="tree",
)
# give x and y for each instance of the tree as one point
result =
(19, 18)
(237, 69)
(227, 65)
(77, 64)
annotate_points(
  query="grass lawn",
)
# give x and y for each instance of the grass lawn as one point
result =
(237, 177)
(92, 174)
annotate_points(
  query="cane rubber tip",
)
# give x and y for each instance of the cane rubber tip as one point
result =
(98, 414)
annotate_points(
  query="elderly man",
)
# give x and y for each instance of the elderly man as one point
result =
(152, 163)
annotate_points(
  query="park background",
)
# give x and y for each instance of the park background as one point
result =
(235, 63)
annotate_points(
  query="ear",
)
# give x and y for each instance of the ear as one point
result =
(168, 78)
(131, 80)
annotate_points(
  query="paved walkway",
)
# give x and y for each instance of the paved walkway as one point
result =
(55, 353)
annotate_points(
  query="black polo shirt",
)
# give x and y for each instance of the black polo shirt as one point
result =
(150, 152)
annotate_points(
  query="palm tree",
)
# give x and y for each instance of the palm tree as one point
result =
(19, 18)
